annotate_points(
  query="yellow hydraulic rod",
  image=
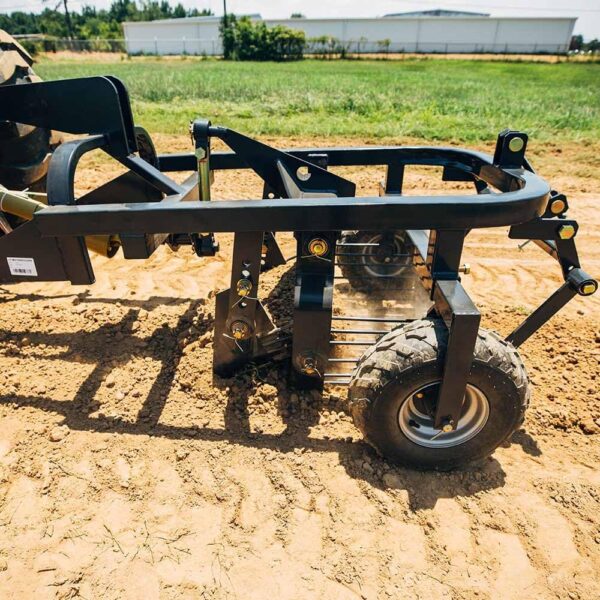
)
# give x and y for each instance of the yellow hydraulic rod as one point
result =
(21, 205)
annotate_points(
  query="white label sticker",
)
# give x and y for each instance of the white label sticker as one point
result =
(22, 267)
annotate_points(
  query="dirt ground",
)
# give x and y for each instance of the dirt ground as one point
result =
(128, 471)
(70, 55)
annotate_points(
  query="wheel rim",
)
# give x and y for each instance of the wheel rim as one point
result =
(415, 418)
(378, 258)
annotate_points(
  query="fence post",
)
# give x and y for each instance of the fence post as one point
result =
(155, 45)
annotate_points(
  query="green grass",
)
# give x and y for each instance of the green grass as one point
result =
(453, 100)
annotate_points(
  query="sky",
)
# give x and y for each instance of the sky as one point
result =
(587, 11)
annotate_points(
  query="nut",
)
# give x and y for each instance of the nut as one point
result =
(589, 288)
(318, 247)
(308, 365)
(240, 330)
(243, 287)
(557, 206)
(447, 428)
(566, 232)
(516, 144)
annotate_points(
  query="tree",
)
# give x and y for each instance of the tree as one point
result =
(246, 40)
(67, 18)
(576, 43)
(297, 16)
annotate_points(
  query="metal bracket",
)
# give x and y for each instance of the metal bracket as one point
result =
(313, 302)
(66, 106)
(240, 317)
(462, 319)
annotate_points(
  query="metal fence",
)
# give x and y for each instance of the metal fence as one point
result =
(327, 48)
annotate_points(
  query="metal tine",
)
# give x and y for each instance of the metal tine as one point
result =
(344, 360)
(350, 343)
(337, 382)
(368, 277)
(361, 261)
(362, 256)
(362, 331)
(388, 319)
(338, 374)
(358, 244)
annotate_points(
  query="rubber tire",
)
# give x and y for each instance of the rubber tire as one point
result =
(411, 356)
(356, 274)
(24, 149)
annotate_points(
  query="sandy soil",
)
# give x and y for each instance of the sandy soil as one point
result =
(128, 471)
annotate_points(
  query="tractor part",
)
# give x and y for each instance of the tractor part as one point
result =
(24, 149)
(433, 393)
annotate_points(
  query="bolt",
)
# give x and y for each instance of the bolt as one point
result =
(566, 232)
(240, 330)
(587, 289)
(243, 287)
(466, 269)
(516, 144)
(448, 425)
(557, 206)
(318, 247)
(308, 365)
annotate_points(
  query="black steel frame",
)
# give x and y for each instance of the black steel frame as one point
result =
(147, 208)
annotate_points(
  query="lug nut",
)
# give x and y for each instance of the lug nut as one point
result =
(243, 287)
(240, 330)
(318, 247)
(566, 232)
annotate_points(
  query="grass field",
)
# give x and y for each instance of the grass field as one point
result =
(429, 99)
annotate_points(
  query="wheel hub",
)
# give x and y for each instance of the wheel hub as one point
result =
(383, 252)
(416, 417)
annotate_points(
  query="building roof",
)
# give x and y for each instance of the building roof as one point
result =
(203, 19)
(438, 12)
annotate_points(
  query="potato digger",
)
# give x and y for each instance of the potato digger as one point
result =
(431, 390)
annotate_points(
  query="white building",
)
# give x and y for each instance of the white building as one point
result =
(410, 33)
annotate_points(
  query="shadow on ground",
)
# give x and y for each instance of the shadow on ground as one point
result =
(163, 345)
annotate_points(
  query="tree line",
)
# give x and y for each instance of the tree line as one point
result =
(91, 23)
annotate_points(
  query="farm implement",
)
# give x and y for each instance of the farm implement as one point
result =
(431, 391)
